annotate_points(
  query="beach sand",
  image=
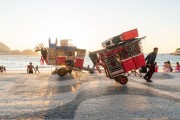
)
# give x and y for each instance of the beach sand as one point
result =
(40, 95)
(21, 92)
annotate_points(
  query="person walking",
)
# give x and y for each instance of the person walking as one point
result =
(150, 64)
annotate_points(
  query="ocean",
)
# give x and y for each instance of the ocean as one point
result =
(20, 62)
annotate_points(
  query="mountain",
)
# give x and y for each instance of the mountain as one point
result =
(29, 52)
(5, 50)
(15, 52)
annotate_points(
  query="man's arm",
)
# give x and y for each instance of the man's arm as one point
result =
(147, 57)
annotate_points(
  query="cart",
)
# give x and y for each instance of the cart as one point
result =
(65, 57)
(120, 59)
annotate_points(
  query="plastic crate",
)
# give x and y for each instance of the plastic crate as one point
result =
(71, 58)
(128, 64)
(129, 34)
(139, 61)
(111, 41)
(64, 42)
(66, 47)
(52, 62)
(112, 66)
(70, 52)
(79, 63)
(51, 53)
(61, 60)
(81, 53)
(60, 53)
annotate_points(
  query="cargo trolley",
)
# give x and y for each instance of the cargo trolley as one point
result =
(122, 56)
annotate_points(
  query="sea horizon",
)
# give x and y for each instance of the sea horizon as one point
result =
(20, 62)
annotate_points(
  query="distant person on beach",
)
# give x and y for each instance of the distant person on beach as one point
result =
(150, 64)
(1, 69)
(37, 69)
(4, 69)
(156, 67)
(166, 67)
(177, 67)
(169, 65)
(30, 68)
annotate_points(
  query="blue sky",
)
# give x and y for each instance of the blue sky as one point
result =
(25, 23)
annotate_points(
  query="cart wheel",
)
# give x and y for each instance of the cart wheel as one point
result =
(121, 79)
(62, 71)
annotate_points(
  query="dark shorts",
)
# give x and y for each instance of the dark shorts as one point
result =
(30, 71)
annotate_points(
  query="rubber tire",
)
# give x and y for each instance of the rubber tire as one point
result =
(121, 79)
(62, 71)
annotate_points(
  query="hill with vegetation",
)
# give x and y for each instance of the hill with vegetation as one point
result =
(177, 52)
(5, 50)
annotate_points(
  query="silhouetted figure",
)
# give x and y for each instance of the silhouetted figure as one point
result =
(4, 69)
(37, 69)
(30, 68)
(1, 69)
(177, 67)
(150, 64)
(170, 67)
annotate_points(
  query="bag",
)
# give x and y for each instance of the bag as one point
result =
(143, 69)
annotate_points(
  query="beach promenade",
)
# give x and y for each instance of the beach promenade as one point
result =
(89, 96)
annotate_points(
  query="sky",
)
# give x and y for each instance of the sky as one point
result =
(26, 23)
